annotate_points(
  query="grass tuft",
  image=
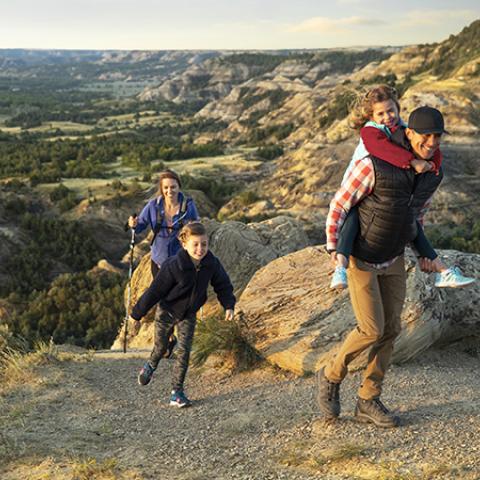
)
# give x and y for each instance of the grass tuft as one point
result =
(90, 468)
(216, 335)
(18, 365)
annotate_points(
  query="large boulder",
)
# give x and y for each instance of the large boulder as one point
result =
(242, 249)
(141, 280)
(296, 322)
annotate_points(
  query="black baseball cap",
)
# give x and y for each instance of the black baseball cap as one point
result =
(426, 120)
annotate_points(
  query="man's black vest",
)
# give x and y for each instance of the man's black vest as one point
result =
(388, 215)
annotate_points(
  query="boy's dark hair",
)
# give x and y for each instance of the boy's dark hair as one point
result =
(362, 110)
(190, 229)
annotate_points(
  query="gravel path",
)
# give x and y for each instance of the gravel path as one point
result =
(262, 424)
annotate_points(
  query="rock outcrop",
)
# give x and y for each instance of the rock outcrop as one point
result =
(245, 248)
(296, 322)
(242, 249)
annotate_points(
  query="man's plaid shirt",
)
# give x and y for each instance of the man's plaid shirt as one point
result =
(356, 186)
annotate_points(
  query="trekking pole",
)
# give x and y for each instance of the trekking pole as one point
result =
(129, 287)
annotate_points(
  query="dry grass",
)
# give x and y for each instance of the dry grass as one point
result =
(70, 469)
(18, 367)
(92, 469)
(352, 460)
(307, 455)
(234, 162)
(396, 471)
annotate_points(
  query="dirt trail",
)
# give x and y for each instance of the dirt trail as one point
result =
(90, 419)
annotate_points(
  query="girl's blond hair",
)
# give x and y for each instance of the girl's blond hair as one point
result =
(191, 229)
(362, 110)
(167, 174)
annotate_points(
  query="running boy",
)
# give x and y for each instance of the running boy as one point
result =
(377, 115)
(181, 290)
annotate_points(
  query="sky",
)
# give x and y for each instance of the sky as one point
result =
(228, 24)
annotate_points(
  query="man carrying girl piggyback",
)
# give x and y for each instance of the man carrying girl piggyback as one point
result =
(180, 289)
(377, 116)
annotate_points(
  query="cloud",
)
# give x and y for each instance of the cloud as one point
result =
(424, 18)
(333, 25)
(350, 2)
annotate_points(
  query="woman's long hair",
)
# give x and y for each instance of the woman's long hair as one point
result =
(163, 175)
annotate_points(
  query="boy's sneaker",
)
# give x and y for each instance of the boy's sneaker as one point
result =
(145, 374)
(339, 278)
(374, 411)
(179, 399)
(172, 342)
(453, 278)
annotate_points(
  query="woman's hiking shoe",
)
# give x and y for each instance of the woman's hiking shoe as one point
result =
(179, 399)
(328, 395)
(374, 411)
(339, 278)
(145, 374)
(172, 342)
(453, 278)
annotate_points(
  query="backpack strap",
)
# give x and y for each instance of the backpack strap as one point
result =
(158, 221)
(160, 217)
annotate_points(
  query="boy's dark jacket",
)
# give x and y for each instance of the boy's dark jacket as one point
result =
(181, 289)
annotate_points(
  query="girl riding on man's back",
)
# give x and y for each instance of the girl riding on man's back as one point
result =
(377, 115)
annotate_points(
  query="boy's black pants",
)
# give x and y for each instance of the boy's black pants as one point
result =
(155, 269)
(164, 323)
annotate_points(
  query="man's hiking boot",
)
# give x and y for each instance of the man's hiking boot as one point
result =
(328, 395)
(172, 342)
(179, 399)
(145, 374)
(453, 278)
(374, 411)
(339, 278)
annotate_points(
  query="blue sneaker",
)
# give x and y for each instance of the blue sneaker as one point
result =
(179, 399)
(145, 374)
(453, 278)
(339, 278)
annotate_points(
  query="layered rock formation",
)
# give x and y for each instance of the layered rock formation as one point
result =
(290, 315)
(319, 144)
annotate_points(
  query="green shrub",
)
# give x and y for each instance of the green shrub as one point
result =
(464, 237)
(85, 309)
(48, 241)
(63, 197)
(248, 197)
(338, 109)
(218, 190)
(270, 152)
(59, 193)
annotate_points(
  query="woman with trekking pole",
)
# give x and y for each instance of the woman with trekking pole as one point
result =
(165, 214)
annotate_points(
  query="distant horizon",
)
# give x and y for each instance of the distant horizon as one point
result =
(212, 25)
(352, 47)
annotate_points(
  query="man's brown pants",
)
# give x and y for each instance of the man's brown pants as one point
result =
(377, 297)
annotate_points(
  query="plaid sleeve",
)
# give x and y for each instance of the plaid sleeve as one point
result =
(358, 184)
